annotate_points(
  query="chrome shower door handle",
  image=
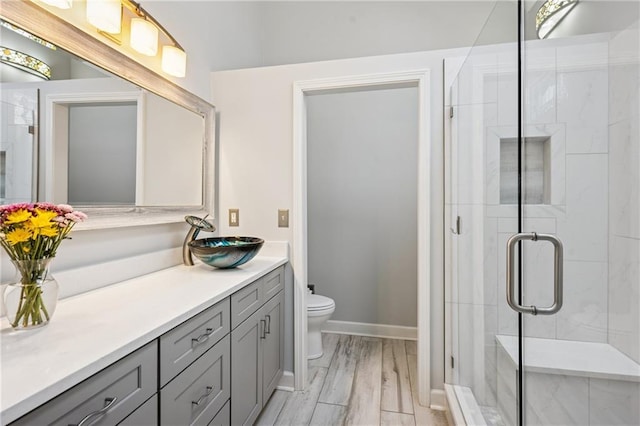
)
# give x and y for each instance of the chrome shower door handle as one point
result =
(557, 273)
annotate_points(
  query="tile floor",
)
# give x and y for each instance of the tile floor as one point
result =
(358, 381)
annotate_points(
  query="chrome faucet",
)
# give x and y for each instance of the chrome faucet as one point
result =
(197, 225)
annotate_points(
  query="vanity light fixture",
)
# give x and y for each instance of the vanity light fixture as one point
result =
(60, 4)
(550, 14)
(27, 34)
(106, 15)
(25, 62)
(144, 37)
(128, 17)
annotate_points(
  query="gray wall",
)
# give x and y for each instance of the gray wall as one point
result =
(362, 203)
(102, 153)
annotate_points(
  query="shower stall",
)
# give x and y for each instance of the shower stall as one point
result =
(542, 213)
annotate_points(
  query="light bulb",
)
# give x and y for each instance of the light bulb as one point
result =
(106, 15)
(144, 36)
(174, 61)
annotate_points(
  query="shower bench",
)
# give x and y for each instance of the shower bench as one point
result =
(568, 382)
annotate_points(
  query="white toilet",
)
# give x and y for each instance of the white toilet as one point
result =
(319, 310)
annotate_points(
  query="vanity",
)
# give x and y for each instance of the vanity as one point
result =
(185, 345)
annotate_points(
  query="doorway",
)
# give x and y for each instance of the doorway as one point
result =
(301, 90)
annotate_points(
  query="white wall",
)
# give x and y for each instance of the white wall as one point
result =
(362, 180)
(255, 107)
(225, 35)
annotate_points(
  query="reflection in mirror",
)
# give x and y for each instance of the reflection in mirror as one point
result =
(98, 140)
(17, 145)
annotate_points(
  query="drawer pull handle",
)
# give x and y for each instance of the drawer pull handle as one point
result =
(268, 324)
(202, 338)
(263, 329)
(108, 403)
(203, 397)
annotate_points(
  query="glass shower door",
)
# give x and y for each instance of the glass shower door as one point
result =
(482, 213)
(579, 159)
(545, 146)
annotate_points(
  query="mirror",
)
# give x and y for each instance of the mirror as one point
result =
(131, 149)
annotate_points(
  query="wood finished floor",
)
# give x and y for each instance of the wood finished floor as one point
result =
(358, 381)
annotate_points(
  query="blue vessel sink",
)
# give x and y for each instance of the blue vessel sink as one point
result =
(226, 252)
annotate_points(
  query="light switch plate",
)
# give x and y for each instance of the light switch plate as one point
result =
(283, 218)
(234, 217)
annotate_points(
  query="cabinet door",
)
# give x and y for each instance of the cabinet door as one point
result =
(246, 370)
(273, 345)
(145, 415)
(197, 394)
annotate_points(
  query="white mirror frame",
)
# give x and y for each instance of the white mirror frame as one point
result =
(44, 24)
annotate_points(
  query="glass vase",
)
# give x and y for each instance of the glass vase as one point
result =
(31, 298)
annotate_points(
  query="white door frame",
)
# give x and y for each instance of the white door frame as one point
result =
(56, 137)
(421, 79)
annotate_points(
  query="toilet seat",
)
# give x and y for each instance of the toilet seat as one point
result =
(316, 302)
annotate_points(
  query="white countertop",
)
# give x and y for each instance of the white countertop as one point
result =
(90, 331)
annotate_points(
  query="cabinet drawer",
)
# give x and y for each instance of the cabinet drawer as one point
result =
(245, 302)
(197, 394)
(145, 415)
(123, 386)
(223, 418)
(185, 343)
(273, 283)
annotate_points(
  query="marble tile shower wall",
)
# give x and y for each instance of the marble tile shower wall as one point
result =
(571, 99)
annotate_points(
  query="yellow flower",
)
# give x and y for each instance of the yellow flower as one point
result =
(19, 235)
(43, 219)
(18, 216)
(49, 232)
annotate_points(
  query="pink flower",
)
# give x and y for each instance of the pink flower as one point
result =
(65, 208)
(76, 216)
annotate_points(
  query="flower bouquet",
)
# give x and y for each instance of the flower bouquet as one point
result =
(31, 235)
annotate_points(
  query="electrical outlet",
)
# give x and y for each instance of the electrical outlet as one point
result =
(234, 217)
(283, 218)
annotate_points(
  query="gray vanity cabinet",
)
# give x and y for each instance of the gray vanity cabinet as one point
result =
(217, 368)
(145, 415)
(246, 370)
(182, 345)
(106, 398)
(257, 348)
(273, 345)
(196, 395)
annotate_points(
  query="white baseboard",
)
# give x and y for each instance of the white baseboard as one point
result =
(286, 382)
(371, 330)
(438, 400)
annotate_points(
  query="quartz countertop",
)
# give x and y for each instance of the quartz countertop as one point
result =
(90, 331)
